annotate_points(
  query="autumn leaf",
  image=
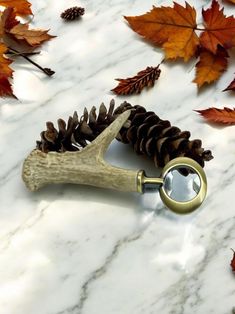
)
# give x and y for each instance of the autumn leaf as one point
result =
(171, 28)
(219, 29)
(232, 264)
(33, 37)
(175, 29)
(18, 40)
(5, 70)
(5, 73)
(231, 86)
(21, 7)
(219, 116)
(210, 66)
(10, 26)
(135, 84)
(7, 20)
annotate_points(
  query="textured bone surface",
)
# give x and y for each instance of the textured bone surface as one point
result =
(83, 167)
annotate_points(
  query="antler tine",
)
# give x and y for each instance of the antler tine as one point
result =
(103, 141)
(81, 167)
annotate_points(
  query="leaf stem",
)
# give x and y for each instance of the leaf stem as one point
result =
(47, 71)
(22, 53)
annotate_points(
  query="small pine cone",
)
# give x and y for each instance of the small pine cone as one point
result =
(72, 13)
(144, 130)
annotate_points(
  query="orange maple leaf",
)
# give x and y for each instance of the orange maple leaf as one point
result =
(220, 116)
(5, 73)
(171, 28)
(210, 67)
(219, 29)
(21, 7)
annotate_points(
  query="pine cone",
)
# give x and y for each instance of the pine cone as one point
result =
(158, 139)
(144, 130)
(72, 13)
(77, 134)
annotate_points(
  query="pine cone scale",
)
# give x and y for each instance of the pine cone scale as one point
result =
(152, 119)
(207, 156)
(185, 134)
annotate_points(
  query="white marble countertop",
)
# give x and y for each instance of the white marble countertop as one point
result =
(81, 250)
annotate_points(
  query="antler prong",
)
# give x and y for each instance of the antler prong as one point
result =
(81, 167)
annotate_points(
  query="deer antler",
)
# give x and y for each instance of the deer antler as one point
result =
(82, 167)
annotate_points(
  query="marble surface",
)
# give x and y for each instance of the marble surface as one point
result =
(79, 250)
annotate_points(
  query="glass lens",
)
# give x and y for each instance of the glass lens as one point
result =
(182, 184)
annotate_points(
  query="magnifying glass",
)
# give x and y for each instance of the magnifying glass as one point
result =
(163, 184)
(41, 169)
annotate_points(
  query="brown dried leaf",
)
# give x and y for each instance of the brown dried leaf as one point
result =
(11, 29)
(135, 84)
(33, 37)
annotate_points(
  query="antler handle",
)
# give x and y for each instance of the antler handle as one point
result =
(82, 167)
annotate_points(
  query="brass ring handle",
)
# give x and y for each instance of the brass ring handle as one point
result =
(193, 204)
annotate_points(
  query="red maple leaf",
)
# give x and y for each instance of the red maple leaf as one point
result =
(219, 116)
(233, 261)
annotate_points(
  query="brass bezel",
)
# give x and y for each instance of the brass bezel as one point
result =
(193, 204)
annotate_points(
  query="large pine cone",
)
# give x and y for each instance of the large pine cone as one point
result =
(144, 130)
(158, 139)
